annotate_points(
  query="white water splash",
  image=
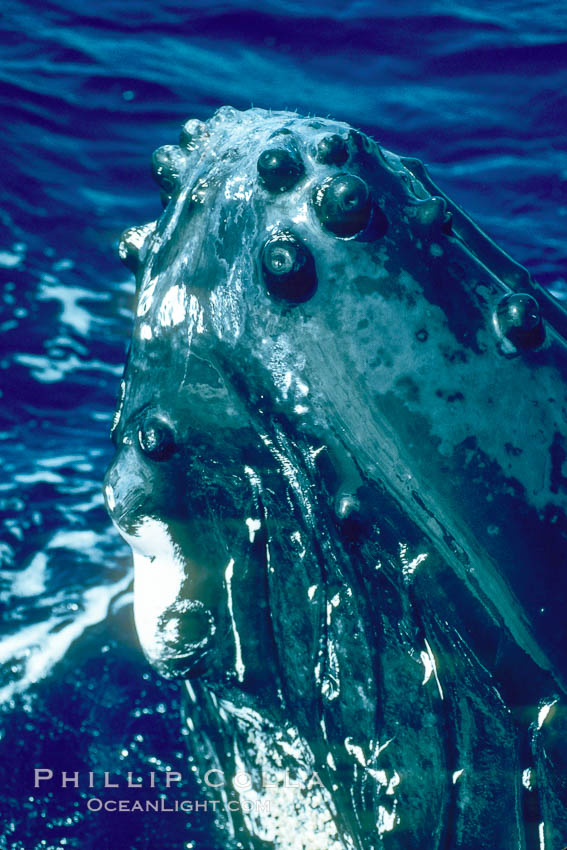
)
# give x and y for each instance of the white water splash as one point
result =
(34, 650)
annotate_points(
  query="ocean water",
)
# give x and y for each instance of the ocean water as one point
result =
(478, 91)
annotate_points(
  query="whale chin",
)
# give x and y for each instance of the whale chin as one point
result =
(175, 632)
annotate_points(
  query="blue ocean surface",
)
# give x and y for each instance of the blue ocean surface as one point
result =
(477, 90)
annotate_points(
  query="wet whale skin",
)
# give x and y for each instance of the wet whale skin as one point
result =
(341, 466)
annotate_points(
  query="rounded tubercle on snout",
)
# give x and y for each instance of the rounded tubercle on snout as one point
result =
(280, 168)
(518, 318)
(156, 437)
(332, 150)
(344, 206)
(288, 267)
(186, 629)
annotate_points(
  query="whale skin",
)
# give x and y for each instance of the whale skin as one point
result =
(341, 466)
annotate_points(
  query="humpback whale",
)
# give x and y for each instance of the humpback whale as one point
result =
(341, 465)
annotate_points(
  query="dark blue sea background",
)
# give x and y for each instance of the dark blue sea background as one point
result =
(478, 90)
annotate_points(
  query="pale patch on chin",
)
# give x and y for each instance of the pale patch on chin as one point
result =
(157, 585)
(159, 572)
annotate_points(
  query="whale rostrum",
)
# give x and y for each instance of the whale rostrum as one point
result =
(341, 465)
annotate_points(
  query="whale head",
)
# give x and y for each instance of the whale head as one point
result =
(340, 451)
